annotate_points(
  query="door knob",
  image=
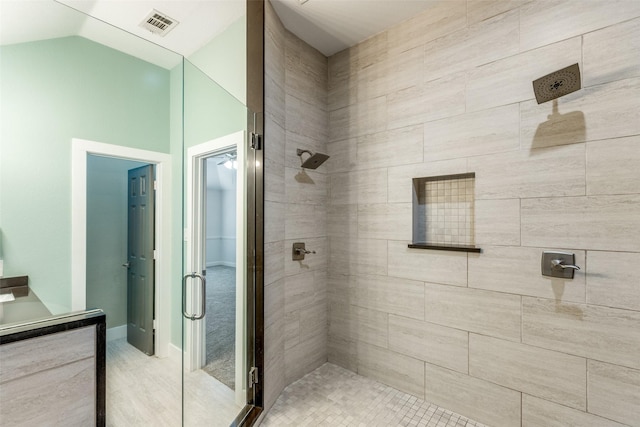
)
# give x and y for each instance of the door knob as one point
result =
(126, 264)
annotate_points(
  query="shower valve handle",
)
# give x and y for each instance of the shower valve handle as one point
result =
(304, 251)
(558, 263)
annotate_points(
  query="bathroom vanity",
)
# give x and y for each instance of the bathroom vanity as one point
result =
(52, 368)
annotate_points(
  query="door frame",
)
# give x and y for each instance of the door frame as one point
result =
(195, 239)
(80, 149)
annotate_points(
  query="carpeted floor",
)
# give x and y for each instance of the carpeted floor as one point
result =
(221, 324)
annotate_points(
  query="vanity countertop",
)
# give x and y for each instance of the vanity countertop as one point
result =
(22, 309)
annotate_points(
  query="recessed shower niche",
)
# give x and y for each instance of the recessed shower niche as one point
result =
(443, 213)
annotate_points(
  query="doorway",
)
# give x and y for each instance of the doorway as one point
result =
(215, 285)
(120, 242)
(220, 207)
(81, 150)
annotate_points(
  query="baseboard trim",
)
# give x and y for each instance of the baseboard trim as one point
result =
(116, 333)
(175, 353)
(221, 263)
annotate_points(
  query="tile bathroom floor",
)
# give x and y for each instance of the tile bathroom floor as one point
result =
(334, 396)
(147, 391)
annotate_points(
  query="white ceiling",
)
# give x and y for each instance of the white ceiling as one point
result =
(334, 25)
(327, 25)
(218, 176)
(199, 22)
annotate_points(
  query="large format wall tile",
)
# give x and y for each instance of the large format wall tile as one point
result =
(613, 166)
(273, 261)
(497, 222)
(614, 392)
(363, 118)
(385, 221)
(405, 69)
(479, 10)
(343, 156)
(300, 291)
(485, 132)
(432, 100)
(274, 187)
(305, 119)
(548, 374)
(341, 86)
(274, 229)
(602, 333)
(612, 53)
(273, 362)
(542, 413)
(401, 177)
(594, 222)
(509, 80)
(557, 171)
(342, 220)
(304, 221)
(467, 48)
(396, 296)
(306, 72)
(358, 256)
(366, 186)
(306, 186)
(397, 370)
(516, 270)
(486, 402)
(439, 345)
(613, 279)
(274, 303)
(303, 358)
(391, 148)
(485, 312)
(442, 18)
(370, 326)
(342, 352)
(549, 21)
(597, 112)
(427, 266)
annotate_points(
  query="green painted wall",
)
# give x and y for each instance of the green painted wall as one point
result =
(224, 59)
(53, 91)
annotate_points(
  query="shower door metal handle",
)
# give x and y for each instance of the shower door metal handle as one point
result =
(203, 304)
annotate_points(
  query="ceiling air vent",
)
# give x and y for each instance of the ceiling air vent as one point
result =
(158, 23)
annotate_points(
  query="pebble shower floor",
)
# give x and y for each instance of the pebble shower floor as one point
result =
(333, 396)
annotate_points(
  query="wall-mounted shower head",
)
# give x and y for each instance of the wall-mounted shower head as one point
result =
(314, 160)
(557, 84)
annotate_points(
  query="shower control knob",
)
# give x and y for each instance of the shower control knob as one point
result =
(304, 251)
(299, 251)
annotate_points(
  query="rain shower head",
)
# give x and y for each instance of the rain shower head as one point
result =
(557, 84)
(314, 160)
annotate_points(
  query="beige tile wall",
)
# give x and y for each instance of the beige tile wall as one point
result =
(296, 203)
(449, 91)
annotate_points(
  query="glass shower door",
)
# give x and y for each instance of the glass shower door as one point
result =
(217, 159)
